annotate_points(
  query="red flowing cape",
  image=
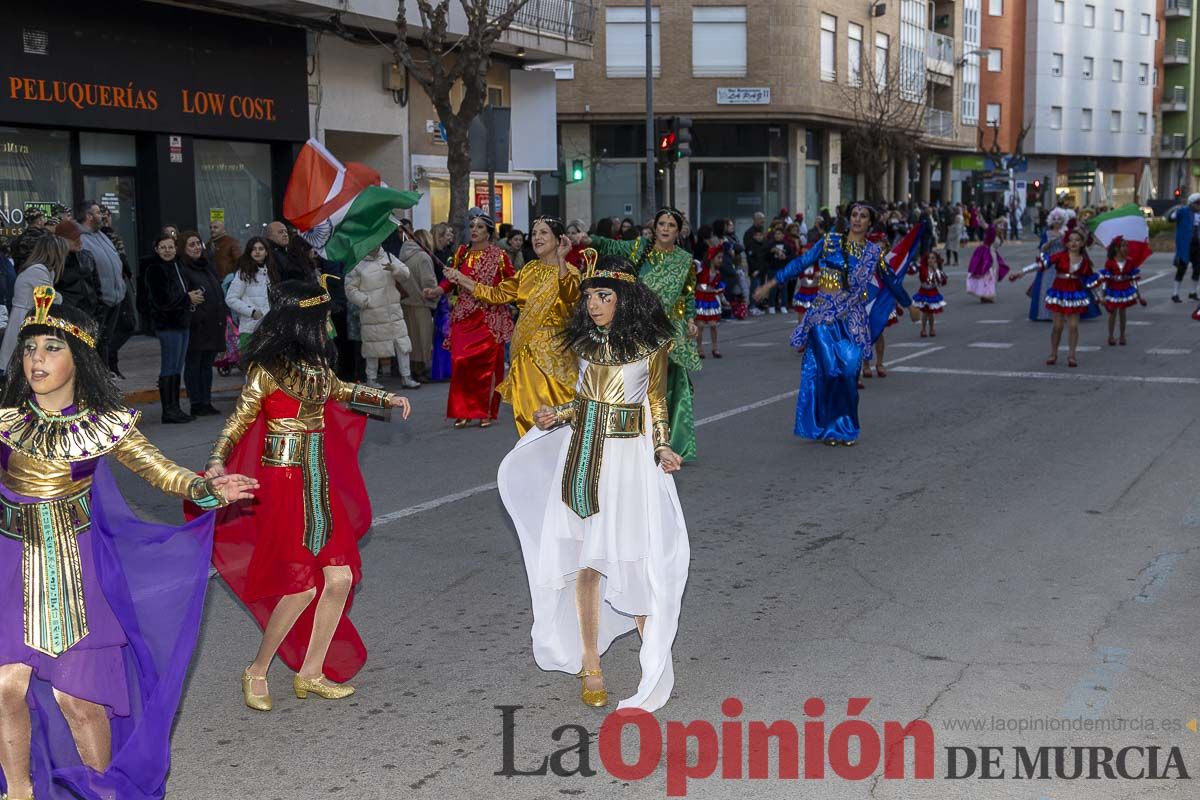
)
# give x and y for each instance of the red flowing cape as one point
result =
(238, 526)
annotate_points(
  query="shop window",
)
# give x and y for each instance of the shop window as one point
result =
(625, 42)
(233, 183)
(719, 41)
(35, 167)
(107, 150)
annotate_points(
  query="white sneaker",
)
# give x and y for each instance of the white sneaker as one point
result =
(374, 384)
(756, 312)
(408, 383)
(770, 310)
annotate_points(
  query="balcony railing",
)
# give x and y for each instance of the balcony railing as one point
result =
(572, 20)
(1176, 52)
(939, 123)
(1175, 100)
(1173, 145)
(1179, 8)
(939, 53)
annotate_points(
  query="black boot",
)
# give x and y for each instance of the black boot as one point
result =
(171, 415)
(176, 381)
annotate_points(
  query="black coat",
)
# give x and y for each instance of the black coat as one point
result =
(79, 283)
(208, 318)
(167, 296)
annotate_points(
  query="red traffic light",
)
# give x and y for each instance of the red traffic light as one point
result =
(667, 142)
(1037, 185)
(1179, 192)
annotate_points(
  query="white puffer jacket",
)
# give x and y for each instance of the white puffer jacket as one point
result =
(246, 297)
(374, 286)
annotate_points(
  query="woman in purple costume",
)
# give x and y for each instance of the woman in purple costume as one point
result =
(99, 610)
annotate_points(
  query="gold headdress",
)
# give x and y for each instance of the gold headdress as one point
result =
(43, 302)
(322, 279)
(590, 257)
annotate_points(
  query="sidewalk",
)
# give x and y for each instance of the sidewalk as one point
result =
(139, 363)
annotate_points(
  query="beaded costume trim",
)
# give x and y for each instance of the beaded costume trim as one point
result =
(44, 436)
(303, 382)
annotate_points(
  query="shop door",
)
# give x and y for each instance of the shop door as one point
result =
(116, 192)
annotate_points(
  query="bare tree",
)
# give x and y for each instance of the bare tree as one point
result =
(445, 58)
(886, 122)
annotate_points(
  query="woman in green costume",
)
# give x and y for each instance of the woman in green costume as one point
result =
(668, 271)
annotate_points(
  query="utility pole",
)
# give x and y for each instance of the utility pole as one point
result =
(648, 192)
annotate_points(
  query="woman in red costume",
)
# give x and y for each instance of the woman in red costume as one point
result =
(292, 557)
(477, 331)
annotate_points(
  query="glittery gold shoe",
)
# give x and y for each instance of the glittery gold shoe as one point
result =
(596, 698)
(258, 702)
(318, 686)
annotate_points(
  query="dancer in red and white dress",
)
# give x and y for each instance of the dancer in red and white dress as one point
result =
(1070, 294)
(929, 297)
(709, 289)
(1120, 276)
(806, 290)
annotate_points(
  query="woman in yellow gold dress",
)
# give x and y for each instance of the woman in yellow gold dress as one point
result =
(546, 290)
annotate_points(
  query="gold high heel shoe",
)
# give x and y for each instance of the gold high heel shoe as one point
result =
(318, 686)
(596, 698)
(255, 701)
(461, 423)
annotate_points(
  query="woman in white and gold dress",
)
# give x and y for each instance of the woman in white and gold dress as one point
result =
(591, 495)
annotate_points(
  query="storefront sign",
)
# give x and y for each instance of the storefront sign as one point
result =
(175, 149)
(481, 201)
(148, 67)
(753, 96)
(216, 215)
(47, 209)
(967, 163)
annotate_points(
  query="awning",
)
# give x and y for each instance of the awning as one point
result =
(443, 174)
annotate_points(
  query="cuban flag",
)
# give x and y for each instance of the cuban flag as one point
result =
(880, 300)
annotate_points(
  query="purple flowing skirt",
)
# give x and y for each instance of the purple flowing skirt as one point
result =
(144, 586)
(439, 370)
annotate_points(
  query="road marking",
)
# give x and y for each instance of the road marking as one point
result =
(993, 321)
(1156, 575)
(1139, 323)
(907, 344)
(429, 505)
(911, 356)
(1153, 278)
(1083, 348)
(1054, 376)
(1168, 351)
(759, 344)
(991, 345)
(1092, 691)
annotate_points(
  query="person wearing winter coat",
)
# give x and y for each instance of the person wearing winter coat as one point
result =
(247, 294)
(79, 283)
(418, 312)
(206, 337)
(374, 286)
(171, 302)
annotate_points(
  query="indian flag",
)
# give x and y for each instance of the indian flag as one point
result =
(1128, 223)
(344, 210)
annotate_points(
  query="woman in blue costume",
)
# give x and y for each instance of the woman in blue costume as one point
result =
(834, 333)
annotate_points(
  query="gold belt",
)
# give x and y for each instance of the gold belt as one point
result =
(830, 279)
(52, 572)
(284, 449)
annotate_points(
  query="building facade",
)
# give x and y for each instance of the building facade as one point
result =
(1089, 96)
(767, 85)
(1178, 159)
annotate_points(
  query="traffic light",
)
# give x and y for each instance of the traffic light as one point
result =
(577, 170)
(1178, 192)
(1037, 184)
(666, 144)
(681, 127)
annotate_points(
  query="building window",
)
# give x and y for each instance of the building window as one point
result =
(828, 48)
(1089, 67)
(1144, 29)
(625, 42)
(235, 178)
(35, 167)
(1118, 20)
(854, 54)
(994, 60)
(1086, 120)
(1060, 10)
(1143, 120)
(992, 118)
(1143, 73)
(1056, 64)
(1056, 118)
(1089, 16)
(718, 41)
(1118, 70)
(1114, 124)
(1155, 74)
(881, 60)
(970, 63)
(914, 35)
(995, 8)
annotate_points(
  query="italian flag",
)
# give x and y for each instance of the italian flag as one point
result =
(1128, 223)
(344, 210)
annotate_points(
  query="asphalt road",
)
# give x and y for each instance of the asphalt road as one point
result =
(1010, 544)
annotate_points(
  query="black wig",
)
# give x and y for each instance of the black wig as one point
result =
(870, 209)
(94, 387)
(291, 333)
(639, 323)
(555, 225)
(675, 214)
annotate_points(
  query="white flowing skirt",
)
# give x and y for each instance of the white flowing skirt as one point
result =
(637, 542)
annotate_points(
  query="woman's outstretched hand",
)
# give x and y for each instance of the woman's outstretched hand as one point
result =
(401, 403)
(235, 487)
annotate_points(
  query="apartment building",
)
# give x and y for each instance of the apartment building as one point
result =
(1088, 98)
(1179, 161)
(766, 84)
